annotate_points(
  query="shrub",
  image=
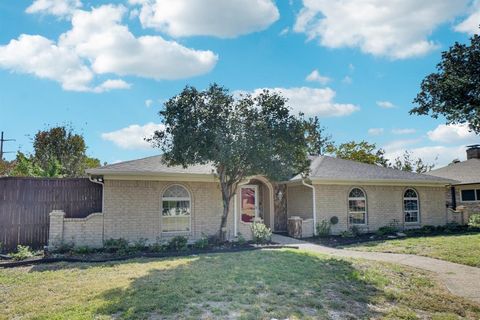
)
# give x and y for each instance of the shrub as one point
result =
(140, 244)
(347, 234)
(261, 233)
(452, 226)
(323, 228)
(386, 230)
(1, 247)
(178, 243)
(201, 243)
(355, 231)
(22, 253)
(119, 245)
(64, 247)
(83, 250)
(158, 246)
(474, 221)
(241, 239)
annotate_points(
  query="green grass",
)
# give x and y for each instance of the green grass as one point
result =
(249, 285)
(463, 249)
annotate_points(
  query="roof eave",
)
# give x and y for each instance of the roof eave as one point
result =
(149, 175)
(401, 182)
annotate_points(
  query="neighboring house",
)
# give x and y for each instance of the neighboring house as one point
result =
(465, 194)
(147, 199)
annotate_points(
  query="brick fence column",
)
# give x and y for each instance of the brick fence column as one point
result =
(55, 234)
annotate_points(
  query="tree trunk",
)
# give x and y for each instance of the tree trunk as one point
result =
(223, 223)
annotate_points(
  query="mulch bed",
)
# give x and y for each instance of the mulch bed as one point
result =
(100, 257)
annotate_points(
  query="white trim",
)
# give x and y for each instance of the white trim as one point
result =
(364, 198)
(405, 183)
(314, 211)
(153, 176)
(190, 200)
(417, 198)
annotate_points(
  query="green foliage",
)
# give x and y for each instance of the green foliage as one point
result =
(178, 243)
(240, 137)
(317, 139)
(158, 246)
(355, 230)
(323, 228)
(474, 221)
(454, 90)
(386, 230)
(22, 253)
(241, 239)
(406, 163)
(64, 247)
(347, 234)
(201, 243)
(26, 167)
(6, 167)
(359, 151)
(139, 245)
(261, 233)
(83, 250)
(119, 245)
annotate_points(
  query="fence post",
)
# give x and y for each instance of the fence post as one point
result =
(55, 235)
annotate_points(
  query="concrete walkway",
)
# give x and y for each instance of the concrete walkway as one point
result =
(461, 280)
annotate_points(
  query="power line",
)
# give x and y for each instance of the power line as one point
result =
(2, 140)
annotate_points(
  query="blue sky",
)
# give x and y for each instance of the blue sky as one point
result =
(106, 66)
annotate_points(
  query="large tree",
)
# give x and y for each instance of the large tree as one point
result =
(317, 138)
(407, 163)
(240, 137)
(454, 90)
(359, 151)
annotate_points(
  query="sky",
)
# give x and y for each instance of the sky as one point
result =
(106, 67)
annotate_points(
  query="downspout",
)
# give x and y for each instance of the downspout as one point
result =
(103, 204)
(314, 206)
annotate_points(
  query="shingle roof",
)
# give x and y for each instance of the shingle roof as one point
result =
(466, 171)
(150, 165)
(322, 168)
(331, 169)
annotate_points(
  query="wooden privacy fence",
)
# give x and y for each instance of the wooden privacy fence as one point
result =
(25, 204)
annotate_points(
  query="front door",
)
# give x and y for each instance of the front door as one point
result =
(249, 203)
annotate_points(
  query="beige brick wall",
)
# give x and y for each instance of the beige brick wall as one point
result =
(86, 231)
(132, 209)
(299, 202)
(384, 204)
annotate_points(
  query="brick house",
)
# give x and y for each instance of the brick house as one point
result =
(463, 196)
(146, 199)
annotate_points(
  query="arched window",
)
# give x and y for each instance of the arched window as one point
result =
(357, 206)
(176, 207)
(410, 206)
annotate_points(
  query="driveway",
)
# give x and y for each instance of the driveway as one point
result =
(461, 280)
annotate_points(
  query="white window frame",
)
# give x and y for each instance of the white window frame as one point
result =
(474, 193)
(257, 211)
(189, 199)
(417, 198)
(364, 198)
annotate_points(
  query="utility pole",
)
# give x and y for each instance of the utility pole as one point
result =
(2, 140)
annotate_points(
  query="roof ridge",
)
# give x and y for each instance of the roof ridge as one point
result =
(128, 161)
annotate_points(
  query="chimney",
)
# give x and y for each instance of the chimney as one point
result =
(473, 151)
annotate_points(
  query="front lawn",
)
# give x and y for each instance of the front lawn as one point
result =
(249, 285)
(463, 249)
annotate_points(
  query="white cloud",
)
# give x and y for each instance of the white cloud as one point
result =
(471, 24)
(395, 29)
(452, 133)
(439, 155)
(148, 103)
(385, 104)
(219, 18)
(133, 136)
(315, 76)
(112, 84)
(41, 57)
(312, 101)
(375, 131)
(99, 44)
(403, 131)
(60, 8)
(284, 31)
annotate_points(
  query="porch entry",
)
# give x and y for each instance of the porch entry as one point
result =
(256, 202)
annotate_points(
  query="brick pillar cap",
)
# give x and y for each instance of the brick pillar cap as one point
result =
(57, 213)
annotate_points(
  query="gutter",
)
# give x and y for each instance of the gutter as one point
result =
(314, 206)
(103, 202)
